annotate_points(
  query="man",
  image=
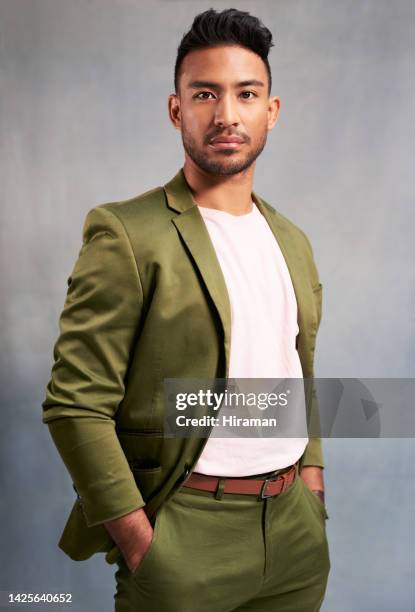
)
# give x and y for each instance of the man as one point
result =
(200, 278)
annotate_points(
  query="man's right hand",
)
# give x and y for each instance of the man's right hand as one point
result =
(133, 534)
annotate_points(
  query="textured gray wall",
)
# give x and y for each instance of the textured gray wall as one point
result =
(83, 120)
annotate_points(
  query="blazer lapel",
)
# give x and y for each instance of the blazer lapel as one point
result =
(192, 229)
(297, 269)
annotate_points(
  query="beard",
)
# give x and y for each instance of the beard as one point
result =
(225, 167)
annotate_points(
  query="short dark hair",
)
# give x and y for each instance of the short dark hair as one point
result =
(232, 27)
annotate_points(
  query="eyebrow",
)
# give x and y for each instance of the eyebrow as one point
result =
(213, 85)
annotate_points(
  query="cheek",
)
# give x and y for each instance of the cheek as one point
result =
(195, 123)
(259, 134)
(256, 125)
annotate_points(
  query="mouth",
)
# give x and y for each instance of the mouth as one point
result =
(223, 143)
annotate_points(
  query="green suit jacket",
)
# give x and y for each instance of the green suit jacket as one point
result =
(146, 301)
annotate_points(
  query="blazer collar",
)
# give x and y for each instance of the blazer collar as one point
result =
(191, 226)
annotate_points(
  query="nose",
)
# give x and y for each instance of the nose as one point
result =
(226, 113)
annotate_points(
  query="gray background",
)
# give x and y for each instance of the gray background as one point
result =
(84, 86)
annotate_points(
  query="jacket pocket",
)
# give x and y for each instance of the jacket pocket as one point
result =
(143, 451)
(147, 478)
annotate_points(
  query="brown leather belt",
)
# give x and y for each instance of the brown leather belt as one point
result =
(265, 487)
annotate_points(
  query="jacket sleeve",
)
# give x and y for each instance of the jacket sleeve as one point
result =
(313, 454)
(97, 329)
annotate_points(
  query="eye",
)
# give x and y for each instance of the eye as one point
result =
(197, 96)
(249, 92)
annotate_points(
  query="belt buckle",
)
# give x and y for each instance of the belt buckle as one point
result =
(263, 495)
(267, 480)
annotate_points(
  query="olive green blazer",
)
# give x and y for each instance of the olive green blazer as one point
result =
(146, 301)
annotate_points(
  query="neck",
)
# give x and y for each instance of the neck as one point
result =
(229, 193)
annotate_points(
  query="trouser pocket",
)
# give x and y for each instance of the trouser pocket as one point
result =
(316, 501)
(146, 560)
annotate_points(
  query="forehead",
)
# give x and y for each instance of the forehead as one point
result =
(223, 64)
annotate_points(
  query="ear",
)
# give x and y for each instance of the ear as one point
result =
(175, 111)
(274, 104)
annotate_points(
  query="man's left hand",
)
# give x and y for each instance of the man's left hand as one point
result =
(313, 477)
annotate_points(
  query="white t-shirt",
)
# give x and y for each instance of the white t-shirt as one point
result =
(263, 334)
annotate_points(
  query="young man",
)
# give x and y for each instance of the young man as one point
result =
(200, 278)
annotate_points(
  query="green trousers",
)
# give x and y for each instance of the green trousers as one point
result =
(231, 553)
